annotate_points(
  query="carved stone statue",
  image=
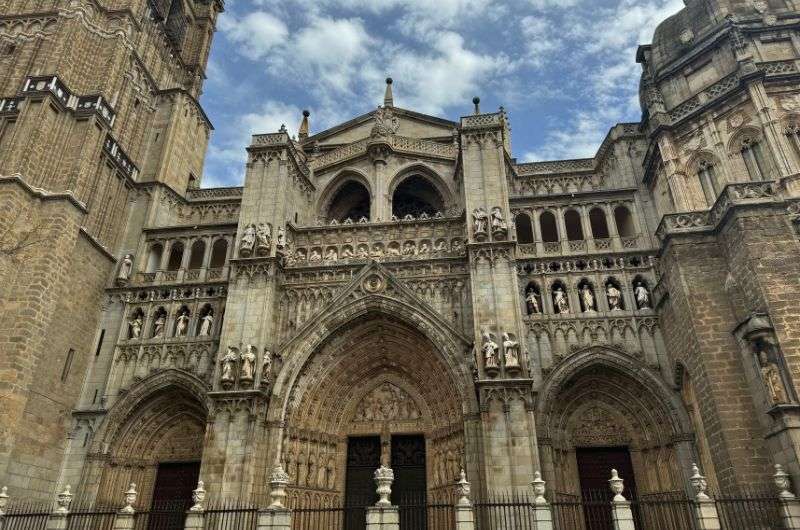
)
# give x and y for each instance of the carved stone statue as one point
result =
(347, 253)
(229, 365)
(263, 238)
(266, 369)
(511, 348)
(125, 268)
(248, 241)
(363, 251)
(441, 246)
(490, 349)
(377, 251)
(642, 295)
(614, 297)
(315, 256)
(481, 221)
(205, 324)
(158, 327)
(409, 249)
(560, 300)
(499, 225)
(248, 369)
(588, 299)
(771, 375)
(331, 255)
(532, 302)
(136, 327)
(281, 238)
(182, 325)
(424, 248)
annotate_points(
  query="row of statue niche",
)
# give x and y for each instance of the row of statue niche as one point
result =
(484, 221)
(409, 249)
(447, 463)
(587, 299)
(246, 362)
(306, 472)
(136, 324)
(491, 351)
(395, 219)
(257, 240)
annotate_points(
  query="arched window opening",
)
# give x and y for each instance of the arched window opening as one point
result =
(624, 221)
(533, 299)
(572, 220)
(547, 225)
(175, 256)
(219, 252)
(560, 301)
(197, 255)
(416, 196)
(586, 296)
(154, 257)
(524, 228)
(758, 167)
(707, 174)
(352, 201)
(599, 224)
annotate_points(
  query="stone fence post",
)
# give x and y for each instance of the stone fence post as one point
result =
(124, 520)
(790, 505)
(3, 505)
(620, 507)
(705, 509)
(276, 516)
(58, 518)
(465, 517)
(195, 517)
(383, 516)
(542, 515)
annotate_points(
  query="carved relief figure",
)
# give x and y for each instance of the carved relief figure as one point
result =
(263, 238)
(229, 365)
(499, 225)
(409, 249)
(363, 252)
(771, 375)
(158, 326)
(205, 324)
(377, 251)
(511, 348)
(393, 249)
(248, 363)
(315, 256)
(182, 325)
(481, 221)
(588, 299)
(560, 301)
(642, 295)
(490, 349)
(125, 268)
(387, 403)
(424, 248)
(281, 239)
(331, 255)
(532, 302)
(347, 252)
(136, 327)
(248, 241)
(266, 369)
(440, 247)
(458, 246)
(614, 297)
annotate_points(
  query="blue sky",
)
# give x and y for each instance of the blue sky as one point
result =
(564, 70)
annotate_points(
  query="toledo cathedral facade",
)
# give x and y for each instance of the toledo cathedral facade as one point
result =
(397, 289)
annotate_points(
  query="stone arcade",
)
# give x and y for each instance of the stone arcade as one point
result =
(395, 290)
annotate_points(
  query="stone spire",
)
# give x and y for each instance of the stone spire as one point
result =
(302, 134)
(388, 98)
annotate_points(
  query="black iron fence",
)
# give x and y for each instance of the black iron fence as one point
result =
(749, 510)
(664, 511)
(509, 510)
(162, 515)
(91, 518)
(231, 516)
(589, 511)
(417, 512)
(27, 517)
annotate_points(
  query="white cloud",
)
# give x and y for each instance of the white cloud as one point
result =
(257, 33)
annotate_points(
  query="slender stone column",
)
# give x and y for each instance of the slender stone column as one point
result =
(58, 519)
(277, 516)
(620, 507)
(195, 518)
(542, 514)
(465, 517)
(705, 508)
(790, 505)
(383, 516)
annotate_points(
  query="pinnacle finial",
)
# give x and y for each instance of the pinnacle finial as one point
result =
(388, 98)
(477, 102)
(302, 133)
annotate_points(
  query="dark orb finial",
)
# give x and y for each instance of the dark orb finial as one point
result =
(476, 100)
(306, 114)
(389, 81)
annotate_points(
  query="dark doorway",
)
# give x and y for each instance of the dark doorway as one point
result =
(172, 495)
(409, 490)
(363, 458)
(594, 470)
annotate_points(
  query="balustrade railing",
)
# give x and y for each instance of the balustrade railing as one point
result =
(183, 275)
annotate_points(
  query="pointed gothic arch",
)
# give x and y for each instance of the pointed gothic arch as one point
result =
(348, 194)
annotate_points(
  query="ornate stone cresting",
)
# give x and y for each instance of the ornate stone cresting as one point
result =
(278, 482)
(384, 477)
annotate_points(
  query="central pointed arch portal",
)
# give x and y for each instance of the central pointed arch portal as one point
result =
(381, 380)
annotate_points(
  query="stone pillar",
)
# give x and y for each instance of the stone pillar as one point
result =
(58, 519)
(542, 515)
(383, 516)
(705, 508)
(465, 517)
(790, 505)
(195, 517)
(621, 512)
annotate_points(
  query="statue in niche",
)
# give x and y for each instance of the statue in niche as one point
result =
(393, 250)
(499, 225)
(614, 297)
(588, 299)
(248, 363)
(490, 349)
(182, 324)
(125, 268)
(266, 369)
(331, 255)
(560, 301)
(440, 247)
(409, 249)
(458, 246)
(363, 252)
(315, 256)
(424, 248)
(480, 220)
(532, 302)
(771, 376)
(377, 251)
(158, 327)
(136, 327)
(642, 295)
(281, 238)
(229, 365)
(331, 469)
(263, 238)
(511, 348)
(347, 253)
(205, 324)
(248, 241)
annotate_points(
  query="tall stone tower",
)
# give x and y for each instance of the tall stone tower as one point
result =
(96, 98)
